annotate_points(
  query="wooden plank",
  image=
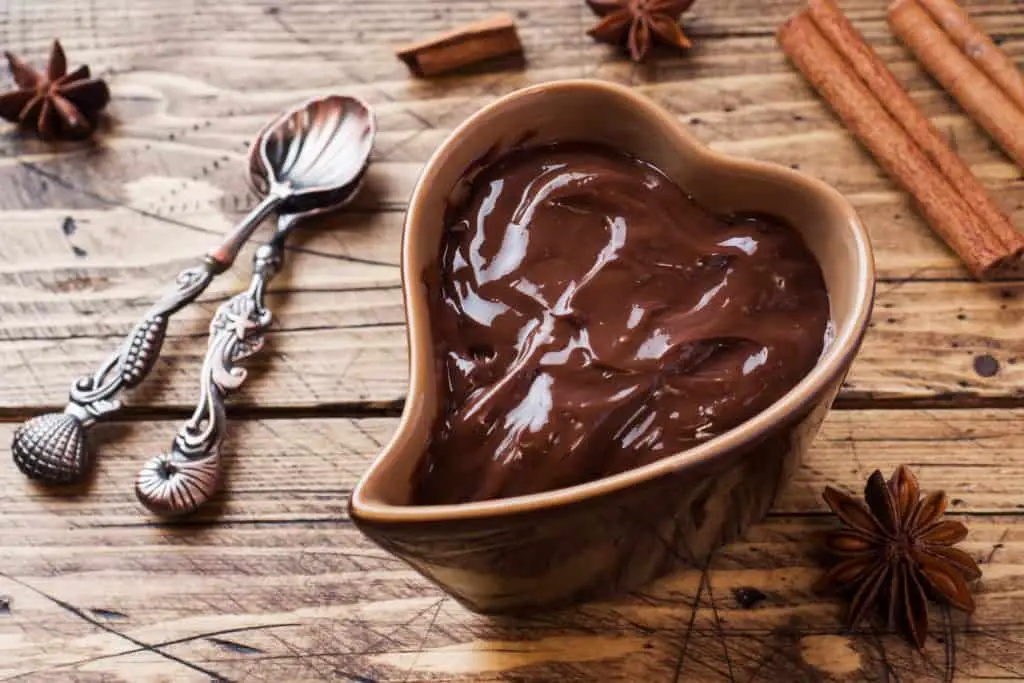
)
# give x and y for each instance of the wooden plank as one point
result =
(925, 341)
(305, 468)
(272, 583)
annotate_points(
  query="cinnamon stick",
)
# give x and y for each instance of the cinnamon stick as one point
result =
(845, 38)
(946, 211)
(978, 47)
(982, 99)
(462, 46)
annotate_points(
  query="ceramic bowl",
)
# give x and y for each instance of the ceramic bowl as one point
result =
(616, 533)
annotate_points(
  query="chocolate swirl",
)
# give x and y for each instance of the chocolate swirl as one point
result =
(592, 318)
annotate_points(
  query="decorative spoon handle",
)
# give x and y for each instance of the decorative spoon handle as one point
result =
(178, 482)
(53, 448)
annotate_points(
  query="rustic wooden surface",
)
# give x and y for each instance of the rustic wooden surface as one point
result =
(271, 582)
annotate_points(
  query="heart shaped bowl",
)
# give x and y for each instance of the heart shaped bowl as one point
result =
(616, 533)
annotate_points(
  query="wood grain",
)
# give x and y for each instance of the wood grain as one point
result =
(273, 583)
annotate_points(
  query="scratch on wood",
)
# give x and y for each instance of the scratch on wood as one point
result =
(28, 367)
(997, 545)
(1014, 674)
(387, 637)
(883, 657)
(767, 659)
(232, 646)
(370, 437)
(75, 611)
(308, 656)
(950, 638)
(110, 614)
(719, 632)
(788, 652)
(348, 676)
(689, 629)
(423, 640)
(176, 641)
(1017, 646)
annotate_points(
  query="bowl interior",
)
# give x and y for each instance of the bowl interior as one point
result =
(613, 115)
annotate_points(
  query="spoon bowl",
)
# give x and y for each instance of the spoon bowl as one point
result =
(317, 151)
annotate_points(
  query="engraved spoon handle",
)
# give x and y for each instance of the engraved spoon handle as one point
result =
(52, 448)
(180, 481)
(93, 396)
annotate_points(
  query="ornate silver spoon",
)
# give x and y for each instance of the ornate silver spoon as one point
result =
(307, 158)
(330, 153)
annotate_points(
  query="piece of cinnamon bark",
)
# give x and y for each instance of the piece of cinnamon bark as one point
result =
(978, 47)
(463, 46)
(981, 98)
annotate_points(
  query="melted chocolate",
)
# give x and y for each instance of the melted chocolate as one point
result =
(593, 318)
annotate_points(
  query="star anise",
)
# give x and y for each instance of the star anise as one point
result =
(54, 103)
(897, 551)
(639, 23)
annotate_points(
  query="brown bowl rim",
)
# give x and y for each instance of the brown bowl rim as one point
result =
(835, 360)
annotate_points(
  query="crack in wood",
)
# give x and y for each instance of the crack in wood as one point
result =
(232, 646)
(108, 614)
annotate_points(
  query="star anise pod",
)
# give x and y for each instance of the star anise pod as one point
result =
(896, 551)
(639, 23)
(54, 103)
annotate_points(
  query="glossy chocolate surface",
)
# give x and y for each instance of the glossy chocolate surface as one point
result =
(592, 318)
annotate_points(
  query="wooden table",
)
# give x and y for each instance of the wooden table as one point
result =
(272, 582)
